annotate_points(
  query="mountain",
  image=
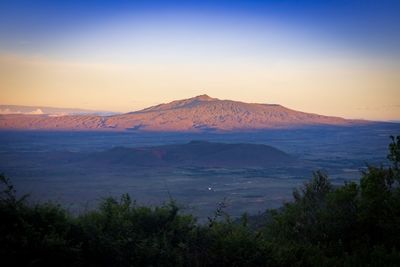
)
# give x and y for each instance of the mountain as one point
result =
(200, 113)
(40, 110)
(194, 153)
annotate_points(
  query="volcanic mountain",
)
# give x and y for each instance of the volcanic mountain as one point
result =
(200, 113)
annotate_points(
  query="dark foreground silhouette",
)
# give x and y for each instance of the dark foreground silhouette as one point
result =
(356, 224)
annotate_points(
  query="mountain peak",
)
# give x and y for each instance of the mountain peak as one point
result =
(189, 102)
(204, 97)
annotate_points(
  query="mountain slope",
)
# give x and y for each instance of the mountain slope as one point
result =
(201, 113)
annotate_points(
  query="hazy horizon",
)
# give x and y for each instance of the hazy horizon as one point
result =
(37, 110)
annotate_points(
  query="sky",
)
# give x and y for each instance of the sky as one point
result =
(329, 57)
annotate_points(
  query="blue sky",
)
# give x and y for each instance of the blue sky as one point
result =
(369, 25)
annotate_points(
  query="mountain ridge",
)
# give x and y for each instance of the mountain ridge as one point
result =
(196, 114)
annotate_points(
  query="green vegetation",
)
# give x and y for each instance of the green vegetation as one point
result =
(357, 224)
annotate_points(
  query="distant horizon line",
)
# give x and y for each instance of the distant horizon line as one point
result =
(116, 112)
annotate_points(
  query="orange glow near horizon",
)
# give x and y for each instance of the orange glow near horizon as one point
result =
(338, 89)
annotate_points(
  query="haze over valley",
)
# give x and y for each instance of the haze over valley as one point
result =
(250, 170)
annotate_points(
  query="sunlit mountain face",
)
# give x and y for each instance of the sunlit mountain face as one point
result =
(197, 114)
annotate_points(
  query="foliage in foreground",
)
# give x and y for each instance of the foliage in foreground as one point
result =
(357, 224)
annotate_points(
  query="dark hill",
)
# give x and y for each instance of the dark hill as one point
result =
(195, 153)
